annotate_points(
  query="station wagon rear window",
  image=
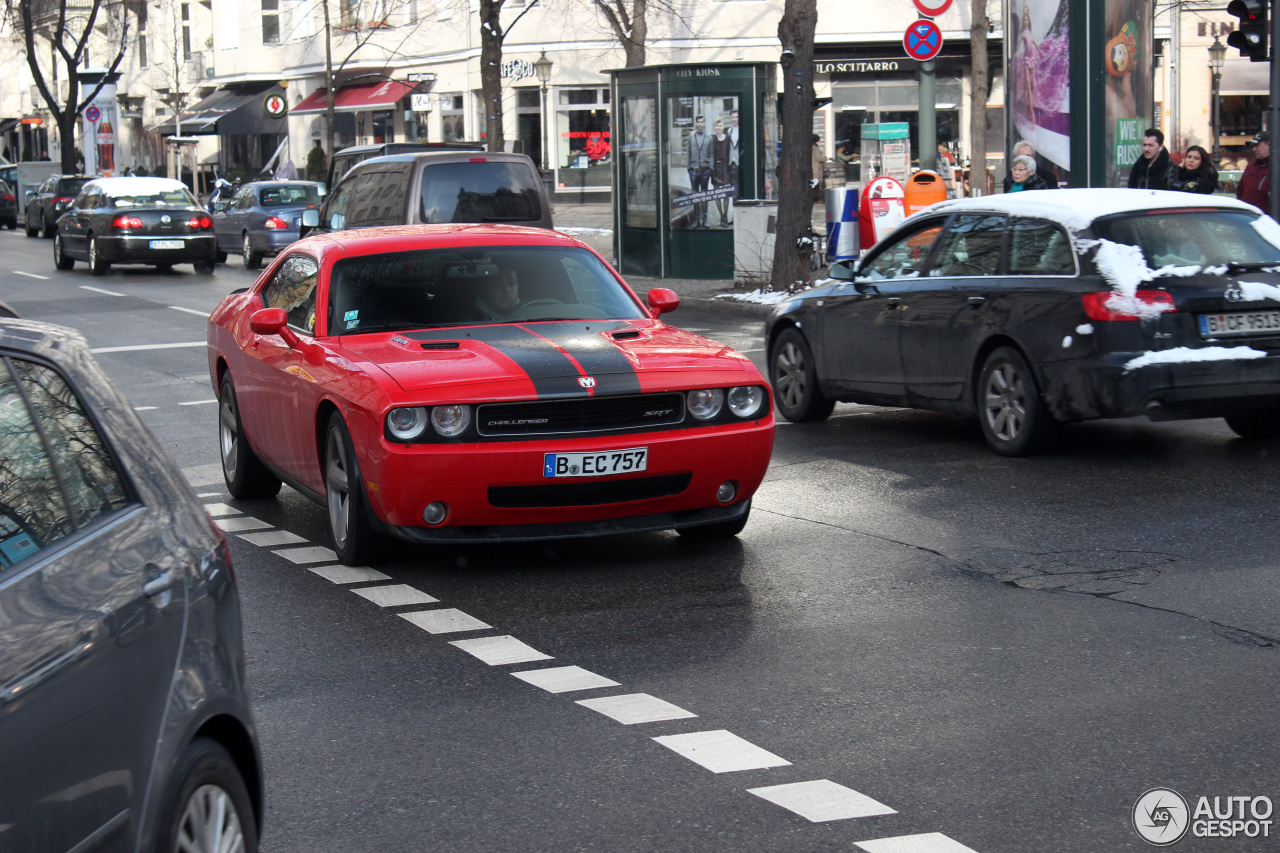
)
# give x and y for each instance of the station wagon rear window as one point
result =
(1189, 238)
(480, 192)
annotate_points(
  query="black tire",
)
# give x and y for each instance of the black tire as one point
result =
(1256, 426)
(220, 257)
(1014, 418)
(61, 259)
(354, 540)
(795, 380)
(209, 803)
(245, 475)
(32, 232)
(47, 228)
(719, 530)
(97, 266)
(203, 267)
(252, 259)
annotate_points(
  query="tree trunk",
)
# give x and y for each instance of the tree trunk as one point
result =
(979, 91)
(796, 181)
(66, 121)
(328, 82)
(491, 36)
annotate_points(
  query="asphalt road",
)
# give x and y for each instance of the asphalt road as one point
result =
(977, 653)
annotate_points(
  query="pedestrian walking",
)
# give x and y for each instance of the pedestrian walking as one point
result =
(1197, 173)
(1023, 176)
(1255, 183)
(1151, 172)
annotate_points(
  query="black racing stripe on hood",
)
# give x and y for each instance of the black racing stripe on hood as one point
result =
(552, 374)
(599, 356)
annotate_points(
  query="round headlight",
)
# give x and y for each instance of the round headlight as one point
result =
(406, 424)
(451, 421)
(745, 400)
(706, 403)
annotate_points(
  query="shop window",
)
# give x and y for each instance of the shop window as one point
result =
(452, 118)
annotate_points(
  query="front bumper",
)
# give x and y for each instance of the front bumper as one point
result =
(1104, 388)
(137, 249)
(473, 478)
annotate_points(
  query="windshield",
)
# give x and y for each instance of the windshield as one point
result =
(278, 196)
(473, 286)
(479, 192)
(1191, 238)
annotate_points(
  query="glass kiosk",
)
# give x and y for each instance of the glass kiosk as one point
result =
(691, 140)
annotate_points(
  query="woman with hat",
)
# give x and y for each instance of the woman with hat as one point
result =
(1255, 183)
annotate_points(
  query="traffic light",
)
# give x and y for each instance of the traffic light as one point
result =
(1250, 37)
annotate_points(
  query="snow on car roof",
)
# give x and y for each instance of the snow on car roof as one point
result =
(138, 184)
(1077, 208)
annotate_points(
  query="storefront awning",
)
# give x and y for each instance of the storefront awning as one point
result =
(1242, 77)
(230, 111)
(354, 99)
(8, 124)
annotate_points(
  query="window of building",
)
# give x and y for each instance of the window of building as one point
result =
(270, 21)
(186, 31)
(582, 149)
(142, 50)
(452, 118)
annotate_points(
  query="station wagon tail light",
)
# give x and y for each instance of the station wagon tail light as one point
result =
(8, 197)
(1107, 305)
(275, 223)
(407, 423)
(200, 223)
(63, 200)
(126, 222)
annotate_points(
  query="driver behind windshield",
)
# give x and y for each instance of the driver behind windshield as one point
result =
(499, 295)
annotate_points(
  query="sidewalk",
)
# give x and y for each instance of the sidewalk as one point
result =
(593, 225)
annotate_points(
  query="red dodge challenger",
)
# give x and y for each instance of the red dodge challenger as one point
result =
(466, 383)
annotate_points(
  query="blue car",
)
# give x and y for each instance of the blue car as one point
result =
(262, 218)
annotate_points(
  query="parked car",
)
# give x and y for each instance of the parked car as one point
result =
(348, 157)
(8, 207)
(262, 218)
(47, 202)
(477, 383)
(134, 221)
(432, 188)
(1032, 309)
(27, 175)
(124, 715)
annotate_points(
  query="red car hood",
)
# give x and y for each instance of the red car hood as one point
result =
(553, 355)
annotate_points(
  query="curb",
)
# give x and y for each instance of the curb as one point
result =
(727, 306)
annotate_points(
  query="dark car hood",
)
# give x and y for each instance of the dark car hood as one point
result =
(553, 355)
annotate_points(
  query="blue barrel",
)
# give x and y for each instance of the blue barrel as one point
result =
(842, 224)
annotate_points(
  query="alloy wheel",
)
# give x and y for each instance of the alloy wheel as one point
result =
(210, 823)
(338, 487)
(792, 380)
(1005, 401)
(228, 435)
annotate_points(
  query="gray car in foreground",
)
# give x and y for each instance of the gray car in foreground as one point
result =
(124, 722)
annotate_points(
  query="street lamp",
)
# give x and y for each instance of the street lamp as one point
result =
(1217, 55)
(543, 69)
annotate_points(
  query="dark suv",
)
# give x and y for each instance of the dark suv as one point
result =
(50, 201)
(348, 157)
(433, 188)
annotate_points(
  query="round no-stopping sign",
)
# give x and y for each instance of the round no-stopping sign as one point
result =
(932, 8)
(923, 40)
(92, 115)
(275, 105)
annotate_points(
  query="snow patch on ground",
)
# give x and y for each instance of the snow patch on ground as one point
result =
(759, 297)
(1186, 355)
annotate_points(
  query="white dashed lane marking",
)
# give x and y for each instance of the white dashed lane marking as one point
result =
(721, 751)
(395, 595)
(496, 651)
(31, 275)
(272, 537)
(302, 556)
(445, 621)
(636, 708)
(99, 290)
(198, 403)
(822, 800)
(563, 679)
(219, 510)
(141, 347)
(190, 311)
(929, 842)
(349, 574)
(247, 522)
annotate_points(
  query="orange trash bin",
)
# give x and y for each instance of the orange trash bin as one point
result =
(923, 189)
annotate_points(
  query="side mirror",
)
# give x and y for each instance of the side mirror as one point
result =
(273, 321)
(311, 217)
(29, 193)
(842, 270)
(663, 301)
(219, 206)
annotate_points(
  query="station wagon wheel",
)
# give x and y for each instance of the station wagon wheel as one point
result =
(1015, 421)
(1256, 426)
(209, 810)
(353, 537)
(795, 381)
(251, 258)
(243, 471)
(97, 266)
(47, 228)
(60, 258)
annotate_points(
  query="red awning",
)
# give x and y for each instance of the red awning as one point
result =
(351, 99)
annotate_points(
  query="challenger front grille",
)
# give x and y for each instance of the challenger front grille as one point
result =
(588, 494)
(581, 415)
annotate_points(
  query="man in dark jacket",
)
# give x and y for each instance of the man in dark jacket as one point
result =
(1151, 172)
(1255, 184)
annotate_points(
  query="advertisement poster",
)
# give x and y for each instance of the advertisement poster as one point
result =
(640, 161)
(1038, 76)
(101, 122)
(1126, 59)
(706, 148)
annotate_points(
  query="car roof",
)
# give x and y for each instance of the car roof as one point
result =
(1078, 208)
(406, 238)
(282, 184)
(449, 156)
(138, 184)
